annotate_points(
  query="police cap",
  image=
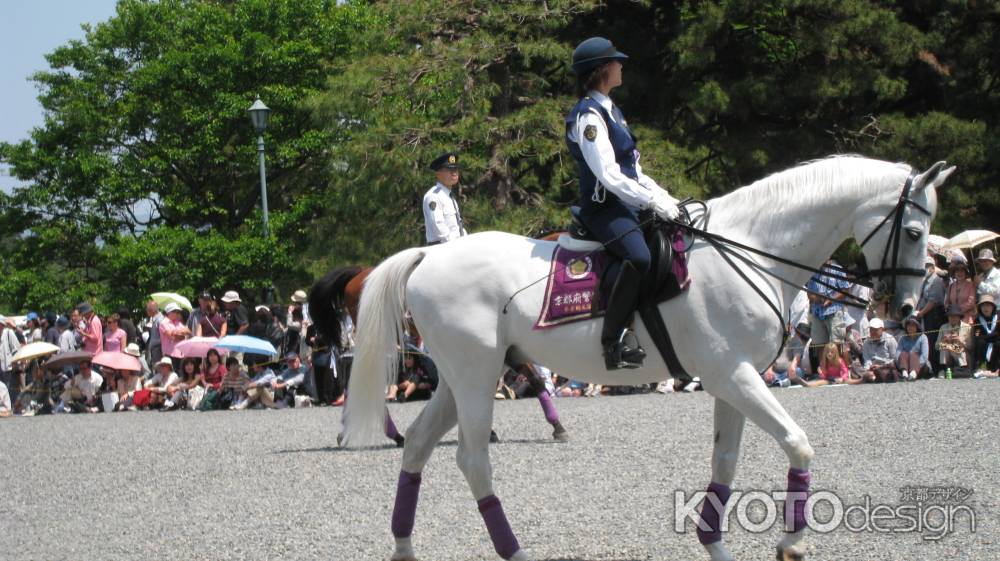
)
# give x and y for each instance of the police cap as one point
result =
(594, 52)
(446, 161)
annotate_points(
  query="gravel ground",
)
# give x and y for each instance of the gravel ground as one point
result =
(272, 484)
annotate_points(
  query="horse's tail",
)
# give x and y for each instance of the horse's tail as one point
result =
(379, 335)
(326, 301)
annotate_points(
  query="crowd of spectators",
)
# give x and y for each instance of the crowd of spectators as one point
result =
(953, 332)
(307, 370)
(950, 334)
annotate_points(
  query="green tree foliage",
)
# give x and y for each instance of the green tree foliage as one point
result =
(151, 107)
(149, 111)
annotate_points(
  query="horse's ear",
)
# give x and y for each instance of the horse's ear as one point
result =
(933, 177)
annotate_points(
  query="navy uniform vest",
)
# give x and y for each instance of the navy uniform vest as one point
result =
(622, 141)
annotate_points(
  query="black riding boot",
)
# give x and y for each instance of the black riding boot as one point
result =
(621, 305)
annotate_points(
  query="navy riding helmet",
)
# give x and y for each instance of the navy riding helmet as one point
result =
(592, 53)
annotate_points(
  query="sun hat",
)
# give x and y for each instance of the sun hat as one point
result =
(955, 310)
(172, 307)
(986, 298)
(132, 349)
(876, 323)
(299, 296)
(165, 361)
(231, 296)
(84, 308)
(986, 255)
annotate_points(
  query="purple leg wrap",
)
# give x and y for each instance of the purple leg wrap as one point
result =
(405, 510)
(390, 427)
(798, 493)
(496, 523)
(711, 515)
(551, 415)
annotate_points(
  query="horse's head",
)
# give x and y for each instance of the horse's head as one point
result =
(894, 238)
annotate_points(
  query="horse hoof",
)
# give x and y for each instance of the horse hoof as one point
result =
(792, 553)
(340, 441)
(403, 558)
(560, 436)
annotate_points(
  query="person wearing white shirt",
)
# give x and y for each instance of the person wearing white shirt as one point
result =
(988, 280)
(442, 219)
(612, 189)
(82, 391)
(164, 378)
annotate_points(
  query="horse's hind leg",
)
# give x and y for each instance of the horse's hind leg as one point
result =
(729, 425)
(475, 417)
(437, 418)
(747, 394)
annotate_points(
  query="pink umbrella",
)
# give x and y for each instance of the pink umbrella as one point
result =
(118, 361)
(196, 347)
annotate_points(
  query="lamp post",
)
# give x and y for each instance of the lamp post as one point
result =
(258, 115)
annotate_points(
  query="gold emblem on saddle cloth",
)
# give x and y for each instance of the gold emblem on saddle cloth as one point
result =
(578, 268)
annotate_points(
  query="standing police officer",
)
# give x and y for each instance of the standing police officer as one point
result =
(442, 220)
(612, 189)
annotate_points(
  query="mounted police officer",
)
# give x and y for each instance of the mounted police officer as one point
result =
(612, 190)
(442, 220)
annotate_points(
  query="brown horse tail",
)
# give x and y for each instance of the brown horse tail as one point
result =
(326, 301)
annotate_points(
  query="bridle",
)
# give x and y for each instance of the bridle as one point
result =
(888, 290)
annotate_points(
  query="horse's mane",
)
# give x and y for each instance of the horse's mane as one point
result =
(809, 182)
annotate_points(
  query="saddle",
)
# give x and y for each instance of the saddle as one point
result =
(663, 281)
(666, 279)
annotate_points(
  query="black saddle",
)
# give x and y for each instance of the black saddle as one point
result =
(658, 285)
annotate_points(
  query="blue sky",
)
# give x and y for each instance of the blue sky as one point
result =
(29, 29)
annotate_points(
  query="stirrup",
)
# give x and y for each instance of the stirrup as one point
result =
(618, 354)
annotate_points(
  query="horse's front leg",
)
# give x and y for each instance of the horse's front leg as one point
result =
(747, 393)
(728, 433)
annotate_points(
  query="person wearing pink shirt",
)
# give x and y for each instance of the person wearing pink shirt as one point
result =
(832, 369)
(115, 341)
(961, 291)
(91, 330)
(173, 331)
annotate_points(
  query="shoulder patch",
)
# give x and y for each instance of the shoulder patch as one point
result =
(590, 132)
(433, 205)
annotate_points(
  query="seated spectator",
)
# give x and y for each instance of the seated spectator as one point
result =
(259, 388)
(568, 388)
(953, 340)
(163, 384)
(5, 408)
(987, 335)
(36, 398)
(178, 396)
(234, 384)
(417, 380)
(878, 354)
(126, 384)
(531, 380)
(832, 368)
(82, 392)
(115, 338)
(788, 366)
(292, 381)
(912, 352)
(214, 370)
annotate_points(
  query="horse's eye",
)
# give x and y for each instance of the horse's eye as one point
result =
(914, 234)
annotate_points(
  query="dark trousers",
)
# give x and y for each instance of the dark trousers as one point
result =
(344, 364)
(981, 345)
(325, 383)
(613, 224)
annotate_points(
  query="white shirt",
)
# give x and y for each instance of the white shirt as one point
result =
(600, 158)
(87, 386)
(67, 341)
(9, 345)
(157, 380)
(442, 221)
(990, 284)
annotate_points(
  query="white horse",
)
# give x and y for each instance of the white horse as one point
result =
(722, 329)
